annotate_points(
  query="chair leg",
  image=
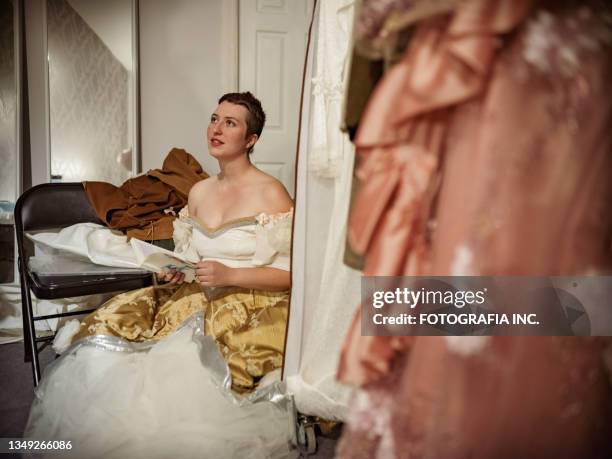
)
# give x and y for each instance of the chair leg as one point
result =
(30, 343)
(32, 340)
(24, 317)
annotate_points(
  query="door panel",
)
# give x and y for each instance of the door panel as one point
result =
(271, 60)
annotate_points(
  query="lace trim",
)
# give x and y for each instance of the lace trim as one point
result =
(184, 213)
(262, 219)
(271, 220)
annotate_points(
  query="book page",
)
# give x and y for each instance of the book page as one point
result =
(158, 259)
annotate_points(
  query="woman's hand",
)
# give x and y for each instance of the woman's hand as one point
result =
(214, 274)
(171, 276)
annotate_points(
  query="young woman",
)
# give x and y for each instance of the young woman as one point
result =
(239, 191)
(121, 390)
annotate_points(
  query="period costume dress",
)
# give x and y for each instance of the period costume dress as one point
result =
(149, 373)
(486, 151)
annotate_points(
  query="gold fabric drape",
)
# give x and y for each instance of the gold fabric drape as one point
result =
(248, 325)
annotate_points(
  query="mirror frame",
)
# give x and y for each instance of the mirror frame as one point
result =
(18, 50)
(17, 72)
(36, 18)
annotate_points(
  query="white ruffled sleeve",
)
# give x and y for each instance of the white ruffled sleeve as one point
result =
(182, 237)
(273, 240)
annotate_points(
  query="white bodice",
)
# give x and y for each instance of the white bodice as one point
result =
(262, 240)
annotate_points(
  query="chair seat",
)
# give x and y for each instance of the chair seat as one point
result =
(50, 287)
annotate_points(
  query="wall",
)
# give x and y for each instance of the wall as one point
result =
(181, 60)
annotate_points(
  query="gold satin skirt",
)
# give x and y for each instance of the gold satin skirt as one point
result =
(248, 325)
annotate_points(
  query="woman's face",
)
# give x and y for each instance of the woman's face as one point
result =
(227, 131)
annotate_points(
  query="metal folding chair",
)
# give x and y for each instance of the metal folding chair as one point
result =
(52, 206)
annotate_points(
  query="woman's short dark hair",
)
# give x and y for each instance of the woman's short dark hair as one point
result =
(256, 117)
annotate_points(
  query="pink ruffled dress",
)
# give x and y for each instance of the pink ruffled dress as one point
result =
(486, 151)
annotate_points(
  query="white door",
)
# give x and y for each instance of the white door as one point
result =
(273, 36)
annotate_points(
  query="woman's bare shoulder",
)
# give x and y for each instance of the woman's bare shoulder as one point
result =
(203, 184)
(274, 196)
(199, 191)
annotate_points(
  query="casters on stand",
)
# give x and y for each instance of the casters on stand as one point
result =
(306, 435)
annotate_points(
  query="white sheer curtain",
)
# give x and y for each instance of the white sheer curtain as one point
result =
(325, 291)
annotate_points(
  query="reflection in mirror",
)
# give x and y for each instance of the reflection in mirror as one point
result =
(90, 90)
(8, 140)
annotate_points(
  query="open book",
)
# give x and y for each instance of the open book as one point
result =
(156, 259)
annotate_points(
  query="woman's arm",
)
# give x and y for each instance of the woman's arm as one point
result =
(215, 274)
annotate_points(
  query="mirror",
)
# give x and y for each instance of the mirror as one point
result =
(92, 90)
(8, 138)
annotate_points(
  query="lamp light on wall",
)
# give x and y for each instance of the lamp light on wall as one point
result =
(125, 159)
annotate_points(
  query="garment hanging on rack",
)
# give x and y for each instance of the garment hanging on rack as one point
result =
(326, 146)
(487, 151)
(381, 33)
(324, 290)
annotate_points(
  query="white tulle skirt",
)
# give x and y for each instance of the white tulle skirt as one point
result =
(171, 399)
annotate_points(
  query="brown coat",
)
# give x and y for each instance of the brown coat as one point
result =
(137, 207)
